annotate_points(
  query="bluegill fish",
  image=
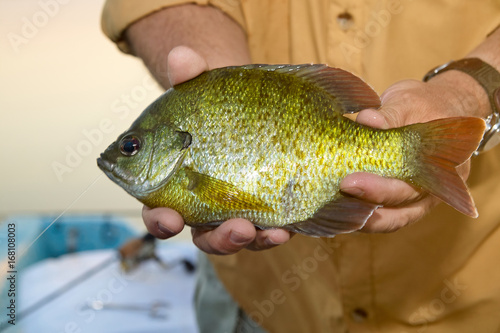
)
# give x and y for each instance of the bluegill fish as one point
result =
(271, 144)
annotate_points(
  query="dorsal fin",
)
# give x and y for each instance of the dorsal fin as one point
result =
(352, 93)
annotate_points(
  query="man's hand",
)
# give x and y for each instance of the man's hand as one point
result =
(407, 102)
(231, 236)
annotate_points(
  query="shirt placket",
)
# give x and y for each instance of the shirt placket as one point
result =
(344, 45)
(354, 264)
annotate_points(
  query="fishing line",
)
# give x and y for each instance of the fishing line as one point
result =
(60, 215)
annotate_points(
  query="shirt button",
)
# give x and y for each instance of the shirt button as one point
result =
(345, 21)
(359, 315)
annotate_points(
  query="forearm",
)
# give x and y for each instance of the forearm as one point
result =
(489, 50)
(208, 31)
(471, 97)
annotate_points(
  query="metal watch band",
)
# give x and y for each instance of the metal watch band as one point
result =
(489, 78)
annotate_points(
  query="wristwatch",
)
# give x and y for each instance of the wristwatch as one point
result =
(489, 78)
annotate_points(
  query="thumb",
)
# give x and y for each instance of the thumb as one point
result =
(183, 64)
(372, 118)
(396, 109)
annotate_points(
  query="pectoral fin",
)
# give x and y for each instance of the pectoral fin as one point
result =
(222, 195)
(340, 216)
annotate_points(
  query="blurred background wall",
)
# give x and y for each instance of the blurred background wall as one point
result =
(66, 92)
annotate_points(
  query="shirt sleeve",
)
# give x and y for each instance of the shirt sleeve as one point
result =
(118, 15)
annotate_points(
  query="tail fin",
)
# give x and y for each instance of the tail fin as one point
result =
(446, 144)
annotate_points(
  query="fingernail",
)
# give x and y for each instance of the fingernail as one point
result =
(238, 238)
(354, 191)
(269, 242)
(164, 229)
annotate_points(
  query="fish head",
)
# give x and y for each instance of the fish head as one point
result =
(142, 160)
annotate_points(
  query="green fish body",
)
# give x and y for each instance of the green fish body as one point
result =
(271, 144)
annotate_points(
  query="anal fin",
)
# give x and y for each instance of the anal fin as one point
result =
(344, 215)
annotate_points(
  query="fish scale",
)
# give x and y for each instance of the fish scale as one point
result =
(269, 171)
(271, 144)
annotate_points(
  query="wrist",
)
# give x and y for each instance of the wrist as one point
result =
(466, 95)
(488, 78)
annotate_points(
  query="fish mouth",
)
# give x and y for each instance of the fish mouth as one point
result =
(105, 165)
(138, 187)
(115, 174)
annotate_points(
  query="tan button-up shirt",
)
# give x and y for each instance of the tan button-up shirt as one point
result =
(441, 274)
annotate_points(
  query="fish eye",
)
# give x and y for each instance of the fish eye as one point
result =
(130, 145)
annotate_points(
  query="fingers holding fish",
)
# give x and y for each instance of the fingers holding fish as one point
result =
(228, 238)
(388, 219)
(162, 222)
(237, 234)
(183, 64)
(376, 189)
(266, 239)
(372, 118)
(401, 203)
